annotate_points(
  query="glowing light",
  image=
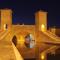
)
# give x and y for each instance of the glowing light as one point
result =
(42, 27)
(4, 26)
(42, 57)
(21, 40)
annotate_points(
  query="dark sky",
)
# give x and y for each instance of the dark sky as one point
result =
(23, 10)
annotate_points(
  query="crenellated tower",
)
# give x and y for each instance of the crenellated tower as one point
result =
(41, 20)
(5, 19)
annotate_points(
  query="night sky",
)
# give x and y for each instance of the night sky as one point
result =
(23, 10)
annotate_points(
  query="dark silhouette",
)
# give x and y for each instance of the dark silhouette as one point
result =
(55, 56)
(14, 40)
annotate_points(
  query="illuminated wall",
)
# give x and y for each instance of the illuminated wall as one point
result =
(6, 19)
(41, 20)
(21, 31)
(0, 22)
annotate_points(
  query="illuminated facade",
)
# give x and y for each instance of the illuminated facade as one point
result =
(41, 20)
(6, 19)
(32, 41)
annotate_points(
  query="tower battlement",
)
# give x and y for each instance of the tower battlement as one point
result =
(41, 20)
(6, 19)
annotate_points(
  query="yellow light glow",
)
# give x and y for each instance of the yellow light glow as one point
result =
(42, 56)
(42, 27)
(4, 26)
(22, 40)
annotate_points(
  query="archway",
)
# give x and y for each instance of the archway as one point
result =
(14, 40)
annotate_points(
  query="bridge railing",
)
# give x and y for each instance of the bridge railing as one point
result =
(48, 38)
(17, 54)
(53, 36)
(3, 34)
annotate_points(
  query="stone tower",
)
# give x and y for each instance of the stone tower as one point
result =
(41, 20)
(6, 19)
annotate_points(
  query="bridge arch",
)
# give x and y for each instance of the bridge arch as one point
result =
(14, 40)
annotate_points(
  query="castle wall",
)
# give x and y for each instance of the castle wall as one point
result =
(41, 20)
(6, 19)
(23, 28)
(21, 31)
